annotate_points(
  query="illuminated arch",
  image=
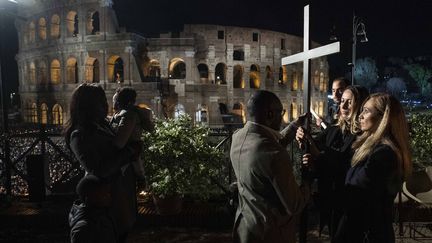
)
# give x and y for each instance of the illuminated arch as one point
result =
(294, 111)
(33, 114)
(115, 69)
(220, 73)
(322, 83)
(57, 115)
(321, 108)
(55, 71)
(300, 81)
(269, 73)
(283, 75)
(32, 32)
(32, 73)
(71, 71)
(42, 28)
(151, 69)
(238, 77)
(239, 109)
(42, 72)
(294, 80)
(93, 23)
(316, 82)
(177, 68)
(72, 23)
(144, 106)
(92, 70)
(254, 77)
(55, 26)
(44, 113)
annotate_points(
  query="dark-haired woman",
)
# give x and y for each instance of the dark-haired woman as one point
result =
(91, 139)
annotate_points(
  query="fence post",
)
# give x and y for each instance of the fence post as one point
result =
(37, 172)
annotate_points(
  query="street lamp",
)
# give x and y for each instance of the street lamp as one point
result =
(5, 123)
(358, 30)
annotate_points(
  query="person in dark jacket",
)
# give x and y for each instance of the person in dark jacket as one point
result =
(269, 197)
(332, 116)
(380, 163)
(92, 141)
(331, 153)
(89, 218)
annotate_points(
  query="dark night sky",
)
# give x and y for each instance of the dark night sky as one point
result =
(394, 28)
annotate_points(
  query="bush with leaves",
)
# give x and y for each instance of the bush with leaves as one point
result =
(421, 139)
(178, 159)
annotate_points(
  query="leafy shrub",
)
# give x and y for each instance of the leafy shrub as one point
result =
(421, 139)
(178, 159)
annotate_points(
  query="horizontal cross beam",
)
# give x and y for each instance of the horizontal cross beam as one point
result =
(313, 53)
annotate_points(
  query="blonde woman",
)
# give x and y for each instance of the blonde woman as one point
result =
(332, 155)
(379, 165)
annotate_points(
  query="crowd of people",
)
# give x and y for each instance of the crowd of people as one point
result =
(360, 159)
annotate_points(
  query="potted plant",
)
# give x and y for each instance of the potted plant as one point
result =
(178, 160)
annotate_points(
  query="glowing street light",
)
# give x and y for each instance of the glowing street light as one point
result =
(359, 29)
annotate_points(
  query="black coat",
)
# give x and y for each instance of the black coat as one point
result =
(332, 165)
(371, 187)
(90, 224)
(95, 150)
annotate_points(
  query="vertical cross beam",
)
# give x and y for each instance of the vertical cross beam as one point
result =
(305, 57)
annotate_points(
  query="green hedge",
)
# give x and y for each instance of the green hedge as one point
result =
(421, 139)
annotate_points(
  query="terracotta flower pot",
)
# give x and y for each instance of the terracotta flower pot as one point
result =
(168, 204)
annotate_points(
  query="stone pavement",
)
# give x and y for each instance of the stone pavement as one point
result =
(47, 222)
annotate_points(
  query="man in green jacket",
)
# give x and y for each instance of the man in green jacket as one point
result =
(269, 197)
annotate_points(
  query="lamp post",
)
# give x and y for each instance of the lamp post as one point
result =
(358, 30)
(5, 122)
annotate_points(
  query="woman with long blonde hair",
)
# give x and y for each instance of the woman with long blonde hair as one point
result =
(331, 153)
(380, 163)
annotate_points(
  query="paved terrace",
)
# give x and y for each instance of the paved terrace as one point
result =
(23, 221)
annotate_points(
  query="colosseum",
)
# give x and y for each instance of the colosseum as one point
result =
(206, 71)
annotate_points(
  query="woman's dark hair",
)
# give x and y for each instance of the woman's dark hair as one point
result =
(85, 107)
(125, 96)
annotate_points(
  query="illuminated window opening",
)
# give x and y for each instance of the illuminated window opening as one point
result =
(42, 73)
(294, 112)
(32, 73)
(44, 113)
(239, 109)
(323, 87)
(72, 23)
(72, 71)
(57, 114)
(294, 81)
(33, 114)
(55, 72)
(254, 77)
(238, 77)
(55, 26)
(115, 69)
(203, 72)
(93, 24)
(32, 32)
(220, 73)
(42, 29)
(177, 69)
(92, 70)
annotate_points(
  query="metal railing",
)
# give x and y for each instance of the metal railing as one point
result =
(45, 141)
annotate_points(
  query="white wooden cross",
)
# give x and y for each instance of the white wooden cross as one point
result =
(306, 56)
